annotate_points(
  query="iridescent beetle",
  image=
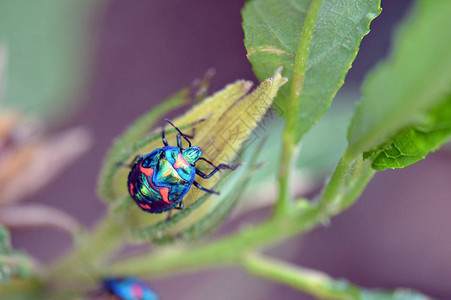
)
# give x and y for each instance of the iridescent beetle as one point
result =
(129, 289)
(158, 181)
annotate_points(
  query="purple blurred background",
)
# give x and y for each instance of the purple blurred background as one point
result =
(396, 235)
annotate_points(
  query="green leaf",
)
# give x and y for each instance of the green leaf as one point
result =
(275, 36)
(405, 109)
(48, 52)
(12, 263)
(415, 142)
(5, 244)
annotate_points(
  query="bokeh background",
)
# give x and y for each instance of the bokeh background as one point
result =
(101, 64)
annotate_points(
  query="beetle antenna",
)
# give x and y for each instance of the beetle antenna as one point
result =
(181, 133)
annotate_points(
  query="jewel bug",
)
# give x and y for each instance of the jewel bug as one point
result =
(159, 180)
(128, 289)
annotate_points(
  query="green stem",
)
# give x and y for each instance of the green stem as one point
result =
(312, 282)
(86, 262)
(346, 183)
(224, 251)
(289, 138)
(315, 283)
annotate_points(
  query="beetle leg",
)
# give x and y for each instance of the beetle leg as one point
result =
(179, 141)
(194, 128)
(180, 207)
(185, 136)
(181, 133)
(192, 134)
(163, 136)
(217, 168)
(196, 184)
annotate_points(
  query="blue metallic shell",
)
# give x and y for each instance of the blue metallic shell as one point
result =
(158, 181)
(129, 289)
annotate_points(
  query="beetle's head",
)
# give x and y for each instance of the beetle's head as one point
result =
(192, 154)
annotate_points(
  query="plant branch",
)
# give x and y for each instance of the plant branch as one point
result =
(346, 183)
(224, 251)
(309, 281)
(85, 261)
(315, 283)
(289, 139)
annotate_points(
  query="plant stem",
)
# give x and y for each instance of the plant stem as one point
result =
(346, 183)
(224, 251)
(315, 283)
(289, 138)
(85, 263)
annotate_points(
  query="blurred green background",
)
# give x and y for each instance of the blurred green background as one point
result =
(49, 46)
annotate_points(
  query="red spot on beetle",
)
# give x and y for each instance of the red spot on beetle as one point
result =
(145, 206)
(164, 194)
(131, 187)
(164, 191)
(146, 171)
(137, 291)
(180, 162)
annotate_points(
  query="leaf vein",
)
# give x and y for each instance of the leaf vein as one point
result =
(271, 30)
(297, 8)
